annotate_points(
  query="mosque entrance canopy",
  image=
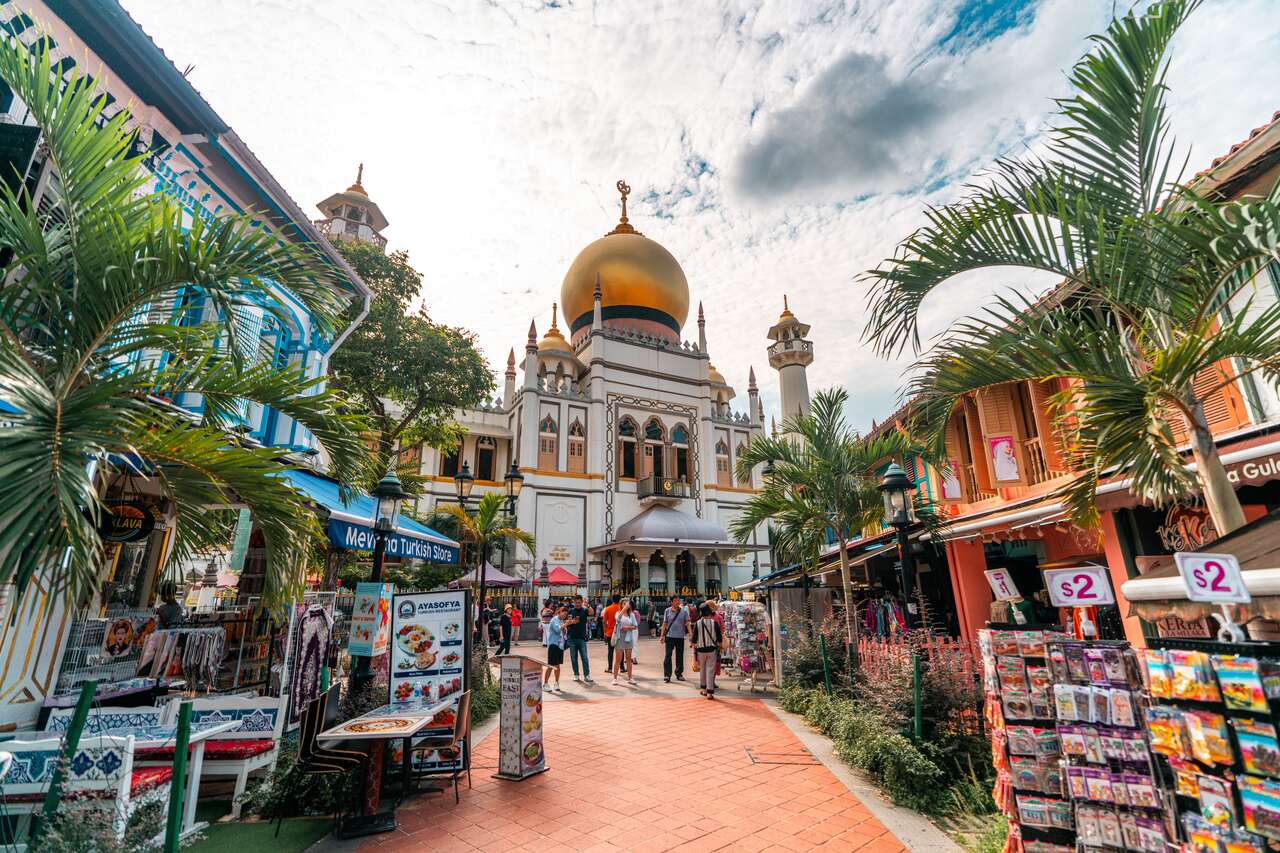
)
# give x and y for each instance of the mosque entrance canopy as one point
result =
(665, 527)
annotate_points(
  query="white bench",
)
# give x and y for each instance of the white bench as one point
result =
(102, 766)
(253, 745)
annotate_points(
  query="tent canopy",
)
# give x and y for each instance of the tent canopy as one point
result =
(493, 577)
(559, 576)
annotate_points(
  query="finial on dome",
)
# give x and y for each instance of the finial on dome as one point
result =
(553, 317)
(358, 187)
(623, 226)
(786, 309)
(597, 294)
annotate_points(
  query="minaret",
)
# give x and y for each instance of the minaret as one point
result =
(789, 354)
(531, 358)
(509, 386)
(753, 395)
(351, 215)
(597, 313)
(702, 330)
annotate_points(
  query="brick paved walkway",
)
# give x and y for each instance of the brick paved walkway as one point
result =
(649, 773)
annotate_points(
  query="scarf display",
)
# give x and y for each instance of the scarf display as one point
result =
(312, 635)
(884, 619)
(193, 653)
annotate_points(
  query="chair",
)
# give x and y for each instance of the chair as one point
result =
(102, 767)
(251, 746)
(316, 759)
(106, 720)
(458, 740)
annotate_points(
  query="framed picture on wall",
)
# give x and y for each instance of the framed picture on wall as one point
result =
(1004, 459)
(949, 481)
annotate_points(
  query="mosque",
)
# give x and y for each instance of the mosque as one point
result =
(626, 435)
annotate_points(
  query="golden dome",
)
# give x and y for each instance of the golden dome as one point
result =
(641, 285)
(553, 341)
(714, 375)
(786, 311)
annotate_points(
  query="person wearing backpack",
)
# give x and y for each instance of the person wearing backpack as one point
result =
(707, 639)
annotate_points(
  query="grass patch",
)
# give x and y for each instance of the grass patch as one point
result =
(296, 834)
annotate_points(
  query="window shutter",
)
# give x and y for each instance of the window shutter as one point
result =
(999, 418)
(1054, 453)
(1224, 409)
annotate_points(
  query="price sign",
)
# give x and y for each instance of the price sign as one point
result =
(1212, 577)
(1002, 584)
(1083, 586)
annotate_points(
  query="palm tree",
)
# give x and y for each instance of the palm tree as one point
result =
(823, 480)
(485, 528)
(88, 359)
(1147, 264)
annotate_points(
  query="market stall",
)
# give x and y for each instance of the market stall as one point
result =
(747, 629)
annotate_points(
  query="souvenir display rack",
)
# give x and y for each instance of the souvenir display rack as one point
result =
(747, 629)
(1212, 723)
(1025, 748)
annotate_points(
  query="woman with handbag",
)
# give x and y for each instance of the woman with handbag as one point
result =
(625, 635)
(707, 638)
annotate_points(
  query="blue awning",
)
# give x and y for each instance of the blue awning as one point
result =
(350, 524)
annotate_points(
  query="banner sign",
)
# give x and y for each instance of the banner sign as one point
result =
(370, 619)
(430, 647)
(520, 725)
(1083, 586)
(1214, 578)
(126, 521)
(358, 537)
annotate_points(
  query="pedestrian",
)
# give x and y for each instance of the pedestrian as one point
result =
(651, 618)
(544, 617)
(674, 633)
(707, 638)
(555, 650)
(610, 618)
(625, 633)
(577, 639)
(516, 618)
(504, 629)
(170, 613)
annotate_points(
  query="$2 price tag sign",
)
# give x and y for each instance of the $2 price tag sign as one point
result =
(1212, 577)
(1002, 584)
(1083, 586)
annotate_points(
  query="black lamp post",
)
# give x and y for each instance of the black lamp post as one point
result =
(900, 514)
(387, 496)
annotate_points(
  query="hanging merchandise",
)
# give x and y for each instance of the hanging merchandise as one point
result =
(194, 654)
(747, 630)
(884, 618)
(313, 631)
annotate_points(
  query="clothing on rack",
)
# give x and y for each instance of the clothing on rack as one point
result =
(195, 653)
(312, 635)
(884, 619)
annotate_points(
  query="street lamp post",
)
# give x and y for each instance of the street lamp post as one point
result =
(387, 496)
(900, 514)
(464, 482)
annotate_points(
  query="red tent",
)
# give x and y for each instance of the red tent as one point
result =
(560, 577)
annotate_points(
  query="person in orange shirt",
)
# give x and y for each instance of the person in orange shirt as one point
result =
(610, 618)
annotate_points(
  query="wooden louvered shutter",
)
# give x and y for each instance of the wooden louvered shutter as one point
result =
(1224, 408)
(953, 482)
(1050, 441)
(977, 453)
(999, 423)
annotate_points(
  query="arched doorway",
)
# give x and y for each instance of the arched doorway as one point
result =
(686, 576)
(630, 581)
(713, 574)
(657, 575)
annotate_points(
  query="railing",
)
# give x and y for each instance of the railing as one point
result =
(1037, 467)
(662, 487)
(971, 485)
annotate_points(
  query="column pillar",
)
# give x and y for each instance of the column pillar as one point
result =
(968, 561)
(700, 568)
(644, 574)
(1119, 568)
(671, 574)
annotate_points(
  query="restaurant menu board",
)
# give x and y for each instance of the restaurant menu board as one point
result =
(520, 751)
(370, 619)
(430, 647)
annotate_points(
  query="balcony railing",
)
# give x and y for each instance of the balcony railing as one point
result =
(661, 487)
(971, 485)
(1037, 467)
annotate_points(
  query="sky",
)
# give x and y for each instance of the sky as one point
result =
(773, 147)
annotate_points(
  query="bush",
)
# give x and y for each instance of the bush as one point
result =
(288, 792)
(802, 660)
(87, 825)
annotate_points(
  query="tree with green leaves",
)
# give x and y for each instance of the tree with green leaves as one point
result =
(486, 528)
(409, 373)
(87, 360)
(823, 479)
(1147, 263)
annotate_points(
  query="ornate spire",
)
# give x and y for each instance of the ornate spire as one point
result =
(511, 362)
(532, 346)
(773, 426)
(553, 319)
(786, 309)
(702, 318)
(623, 226)
(751, 381)
(358, 187)
(760, 409)
(597, 294)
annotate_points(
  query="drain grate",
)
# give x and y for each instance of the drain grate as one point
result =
(801, 756)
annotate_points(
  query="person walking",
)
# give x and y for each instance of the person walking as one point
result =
(555, 650)
(516, 618)
(577, 623)
(625, 635)
(651, 617)
(544, 617)
(610, 620)
(707, 638)
(674, 632)
(504, 630)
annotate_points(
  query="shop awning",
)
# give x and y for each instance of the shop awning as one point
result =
(493, 577)
(560, 576)
(350, 523)
(664, 527)
(1161, 593)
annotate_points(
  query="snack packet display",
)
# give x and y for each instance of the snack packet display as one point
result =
(1165, 727)
(1216, 803)
(1159, 674)
(1241, 681)
(1193, 676)
(1261, 800)
(1207, 734)
(1259, 749)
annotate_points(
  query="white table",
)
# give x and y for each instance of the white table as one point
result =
(155, 737)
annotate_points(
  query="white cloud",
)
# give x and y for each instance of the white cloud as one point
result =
(493, 133)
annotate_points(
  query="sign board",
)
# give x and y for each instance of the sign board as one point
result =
(430, 646)
(1212, 577)
(1174, 626)
(1002, 584)
(370, 619)
(359, 537)
(126, 521)
(1082, 586)
(520, 751)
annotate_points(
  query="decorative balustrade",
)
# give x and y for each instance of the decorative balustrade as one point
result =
(1037, 467)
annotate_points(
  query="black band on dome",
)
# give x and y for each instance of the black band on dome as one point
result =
(627, 312)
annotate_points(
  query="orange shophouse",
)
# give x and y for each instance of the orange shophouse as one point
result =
(1007, 460)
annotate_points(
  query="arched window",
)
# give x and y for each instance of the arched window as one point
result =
(654, 437)
(680, 451)
(486, 449)
(449, 461)
(548, 451)
(657, 575)
(686, 575)
(627, 448)
(737, 454)
(577, 448)
(722, 463)
(630, 582)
